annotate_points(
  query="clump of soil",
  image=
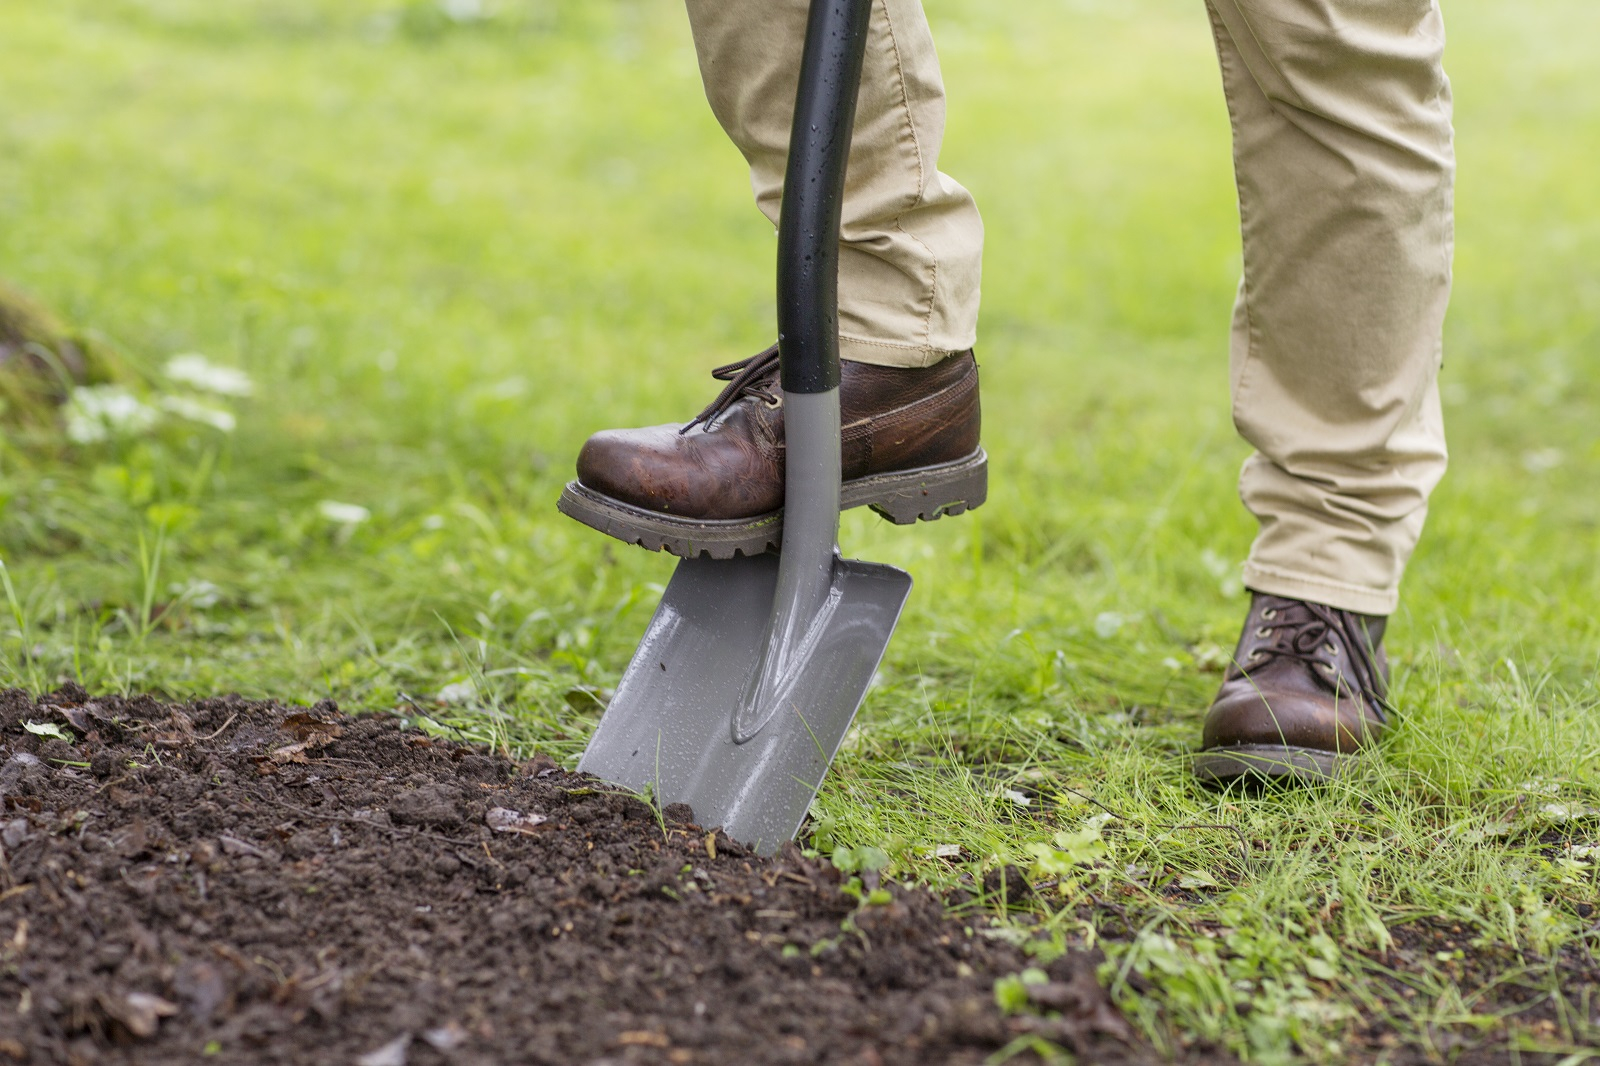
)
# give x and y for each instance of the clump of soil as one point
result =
(234, 881)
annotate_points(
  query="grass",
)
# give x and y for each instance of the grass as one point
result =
(447, 249)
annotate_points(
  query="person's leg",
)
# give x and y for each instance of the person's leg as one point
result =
(1343, 157)
(911, 243)
(1342, 148)
(911, 238)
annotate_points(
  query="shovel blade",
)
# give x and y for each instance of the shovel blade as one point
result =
(669, 727)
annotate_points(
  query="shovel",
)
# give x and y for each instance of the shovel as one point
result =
(751, 670)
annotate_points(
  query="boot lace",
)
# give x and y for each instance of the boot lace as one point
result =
(748, 377)
(1314, 632)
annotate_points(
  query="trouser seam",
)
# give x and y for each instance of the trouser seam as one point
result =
(922, 178)
(933, 284)
(905, 104)
(1223, 40)
(1446, 111)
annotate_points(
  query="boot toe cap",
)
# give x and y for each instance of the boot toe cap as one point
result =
(1246, 714)
(627, 465)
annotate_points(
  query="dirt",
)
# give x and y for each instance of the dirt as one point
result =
(1535, 1008)
(235, 881)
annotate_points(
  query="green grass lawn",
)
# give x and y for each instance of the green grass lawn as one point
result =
(446, 250)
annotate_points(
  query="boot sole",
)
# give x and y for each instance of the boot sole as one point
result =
(903, 497)
(1272, 763)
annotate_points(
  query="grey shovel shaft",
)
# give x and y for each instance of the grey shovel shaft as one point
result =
(808, 341)
(805, 592)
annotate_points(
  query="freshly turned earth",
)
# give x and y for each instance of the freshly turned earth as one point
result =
(235, 881)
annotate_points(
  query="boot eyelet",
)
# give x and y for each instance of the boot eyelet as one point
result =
(1270, 613)
(774, 403)
(1264, 632)
(1330, 649)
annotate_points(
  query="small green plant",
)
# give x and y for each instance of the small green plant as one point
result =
(1067, 855)
(19, 615)
(862, 859)
(1256, 987)
(1011, 992)
(150, 553)
(649, 796)
(865, 865)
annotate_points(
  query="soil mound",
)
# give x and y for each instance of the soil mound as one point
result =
(235, 881)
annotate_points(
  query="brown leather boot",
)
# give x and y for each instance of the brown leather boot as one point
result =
(715, 486)
(1306, 692)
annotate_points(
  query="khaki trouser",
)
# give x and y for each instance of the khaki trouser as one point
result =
(1343, 157)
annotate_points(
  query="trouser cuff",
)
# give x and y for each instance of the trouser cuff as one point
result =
(888, 353)
(1315, 589)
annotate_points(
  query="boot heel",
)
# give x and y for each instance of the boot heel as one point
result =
(926, 494)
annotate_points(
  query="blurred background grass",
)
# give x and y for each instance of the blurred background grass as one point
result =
(449, 240)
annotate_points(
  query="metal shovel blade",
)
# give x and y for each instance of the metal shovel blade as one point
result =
(672, 725)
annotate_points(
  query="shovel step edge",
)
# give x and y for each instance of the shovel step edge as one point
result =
(904, 497)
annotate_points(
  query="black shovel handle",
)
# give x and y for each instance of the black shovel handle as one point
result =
(813, 194)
